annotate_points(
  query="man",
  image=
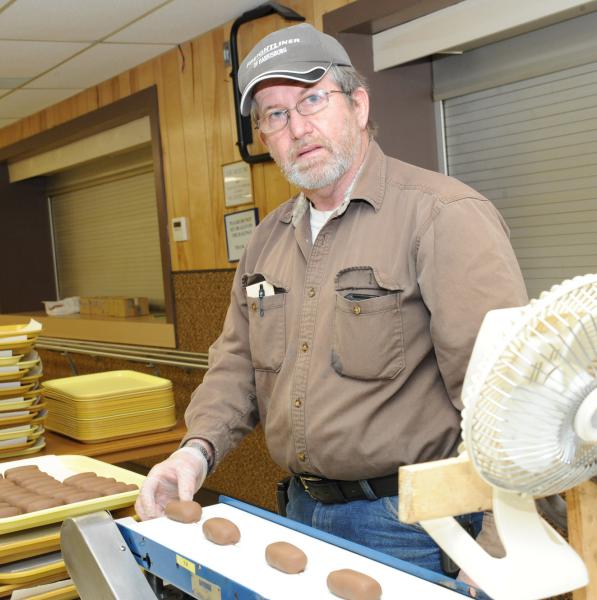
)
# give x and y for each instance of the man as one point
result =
(353, 310)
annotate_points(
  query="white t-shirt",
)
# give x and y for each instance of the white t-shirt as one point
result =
(318, 219)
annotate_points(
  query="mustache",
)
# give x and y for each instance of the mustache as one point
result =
(298, 147)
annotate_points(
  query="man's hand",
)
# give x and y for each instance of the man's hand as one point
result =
(176, 478)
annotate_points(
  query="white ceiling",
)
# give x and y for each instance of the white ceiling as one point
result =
(52, 49)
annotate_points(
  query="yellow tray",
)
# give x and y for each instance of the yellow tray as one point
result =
(33, 393)
(61, 467)
(116, 401)
(9, 448)
(17, 431)
(107, 384)
(97, 411)
(32, 542)
(89, 437)
(32, 327)
(31, 569)
(16, 376)
(5, 590)
(31, 418)
(23, 347)
(39, 444)
(7, 361)
(68, 591)
(8, 406)
(29, 360)
(15, 391)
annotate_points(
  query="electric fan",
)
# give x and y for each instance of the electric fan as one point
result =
(530, 429)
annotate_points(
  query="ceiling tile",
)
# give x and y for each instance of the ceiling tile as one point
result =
(86, 21)
(21, 103)
(28, 59)
(10, 83)
(97, 64)
(182, 20)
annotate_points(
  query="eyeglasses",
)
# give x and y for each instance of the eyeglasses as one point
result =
(275, 120)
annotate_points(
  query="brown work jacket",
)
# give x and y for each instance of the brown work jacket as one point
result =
(353, 358)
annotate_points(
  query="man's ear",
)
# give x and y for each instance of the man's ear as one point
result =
(360, 99)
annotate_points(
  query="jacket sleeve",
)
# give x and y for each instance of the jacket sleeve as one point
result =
(222, 409)
(465, 266)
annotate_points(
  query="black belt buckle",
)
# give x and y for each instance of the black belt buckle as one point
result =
(326, 491)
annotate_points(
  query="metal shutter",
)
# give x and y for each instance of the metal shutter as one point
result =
(107, 238)
(531, 148)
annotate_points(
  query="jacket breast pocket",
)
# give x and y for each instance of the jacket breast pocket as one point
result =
(368, 340)
(267, 325)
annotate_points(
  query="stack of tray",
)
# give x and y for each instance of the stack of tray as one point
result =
(22, 410)
(30, 543)
(109, 405)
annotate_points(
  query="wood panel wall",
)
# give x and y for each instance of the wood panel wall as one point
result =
(197, 129)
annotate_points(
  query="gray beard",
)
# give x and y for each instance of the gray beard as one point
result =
(314, 179)
(316, 176)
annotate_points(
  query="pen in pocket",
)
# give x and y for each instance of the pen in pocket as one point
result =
(261, 295)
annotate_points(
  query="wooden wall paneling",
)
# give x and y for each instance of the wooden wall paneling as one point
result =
(143, 76)
(199, 249)
(277, 190)
(171, 118)
(208, 89)
(222, 150)
(125, 84)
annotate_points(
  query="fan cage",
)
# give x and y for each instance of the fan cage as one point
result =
(518, 421)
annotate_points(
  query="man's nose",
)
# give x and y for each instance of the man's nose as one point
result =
(298, 124)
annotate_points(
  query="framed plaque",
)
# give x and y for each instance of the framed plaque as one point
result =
(238, 186)
(239, 228)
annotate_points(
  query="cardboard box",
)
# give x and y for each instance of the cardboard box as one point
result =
(114, 306)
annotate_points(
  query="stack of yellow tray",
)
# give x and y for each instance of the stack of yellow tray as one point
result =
(30, 542)
(109, 405)
(22, 410)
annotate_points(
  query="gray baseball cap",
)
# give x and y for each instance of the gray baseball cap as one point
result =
(300, 52)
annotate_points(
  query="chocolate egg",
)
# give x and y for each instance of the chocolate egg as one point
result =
(285, 557)
(79, 477)
(221, 531)
(10, 473)
(9, 511)
(42, 504)
(99, 483)
(68, 497)
(353, 585)
(118, 488)
(183, 511)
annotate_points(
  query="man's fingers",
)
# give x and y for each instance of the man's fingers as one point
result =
(145, 504)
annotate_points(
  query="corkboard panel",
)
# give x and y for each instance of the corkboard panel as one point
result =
(201, 302)
(248, 473)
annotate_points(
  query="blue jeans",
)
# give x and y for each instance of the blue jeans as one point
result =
(372, 523)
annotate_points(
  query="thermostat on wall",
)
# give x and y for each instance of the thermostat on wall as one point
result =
(180, 229)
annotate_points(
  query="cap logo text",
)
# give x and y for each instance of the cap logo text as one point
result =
(270, 51)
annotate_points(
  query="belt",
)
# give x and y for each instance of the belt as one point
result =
(335, 491)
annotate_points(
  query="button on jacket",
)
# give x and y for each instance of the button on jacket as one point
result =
(354, 361)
